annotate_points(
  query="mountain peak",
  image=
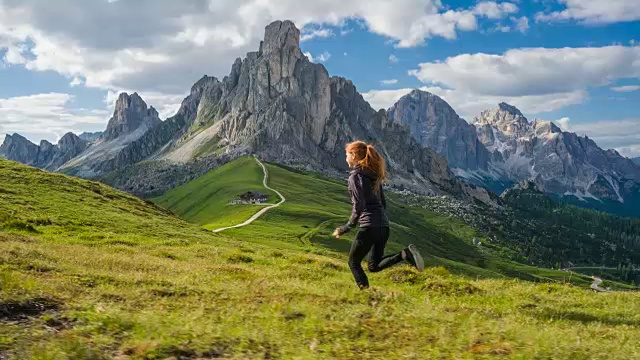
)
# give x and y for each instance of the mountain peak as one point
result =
(509, 109)
(418, 92)
(203, 82)
(279, 35)
(433, 123)
(130, 113)
(18, 148)
(505, 117)
(126, 101)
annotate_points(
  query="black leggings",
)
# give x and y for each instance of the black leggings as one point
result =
(371, 239)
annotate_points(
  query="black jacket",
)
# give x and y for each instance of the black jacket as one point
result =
(368, 207)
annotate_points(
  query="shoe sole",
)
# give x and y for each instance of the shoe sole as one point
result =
(417, 257)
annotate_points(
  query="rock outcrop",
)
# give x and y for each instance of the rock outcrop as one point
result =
(130, 114)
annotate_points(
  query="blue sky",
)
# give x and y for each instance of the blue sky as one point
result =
(576, 62)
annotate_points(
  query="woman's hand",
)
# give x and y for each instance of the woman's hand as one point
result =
(341, 230)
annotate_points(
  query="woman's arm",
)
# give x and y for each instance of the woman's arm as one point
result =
(382, 198)
(357, 205)
(357, 199)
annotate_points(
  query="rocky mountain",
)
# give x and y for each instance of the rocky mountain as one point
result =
(90, 136)
(561, 163)
(636, 160)
(277, 104)
(17, 148)
(131, 114)
(46, 155)
(131, 119)
(434, 124)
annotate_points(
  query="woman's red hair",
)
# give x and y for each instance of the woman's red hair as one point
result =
(369, 158)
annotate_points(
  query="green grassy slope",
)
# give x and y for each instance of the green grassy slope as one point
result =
(316, 205)
(87, 272)
(204, 201)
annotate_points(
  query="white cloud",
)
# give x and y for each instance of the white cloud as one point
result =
(493, 10)
(595, 11)
(393, 59)
(502, 28)
(631, 151)
(563, 123)
(522, 24)
(76, 81)
(622, 135)
(468, 104)
(324, 57)
(389, 82)
(534, 71)
(316, 33)
(110, 48)
(628, 88)
(47, 116)
(309, 56)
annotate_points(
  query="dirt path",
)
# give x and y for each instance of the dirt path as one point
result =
(596, 284)
(262, 211)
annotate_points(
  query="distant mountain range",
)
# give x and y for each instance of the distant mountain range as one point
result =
(502, 148)
(277, 104)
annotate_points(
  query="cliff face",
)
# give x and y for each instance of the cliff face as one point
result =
(434, 124)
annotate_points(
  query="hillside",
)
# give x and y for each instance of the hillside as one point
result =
(205, 201)
(88, 272)
(316, 205)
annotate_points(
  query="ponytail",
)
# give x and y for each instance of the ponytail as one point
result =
(370, 159)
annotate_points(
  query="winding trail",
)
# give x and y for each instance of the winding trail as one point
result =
(262, 211)
(596, 284)
(596, 280)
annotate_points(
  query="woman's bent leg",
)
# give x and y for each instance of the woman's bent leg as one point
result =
(377, 261)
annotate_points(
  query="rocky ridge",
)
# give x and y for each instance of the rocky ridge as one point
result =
(559, 162)
(46, 155)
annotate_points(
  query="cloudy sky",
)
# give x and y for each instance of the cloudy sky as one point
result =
(63, 62)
